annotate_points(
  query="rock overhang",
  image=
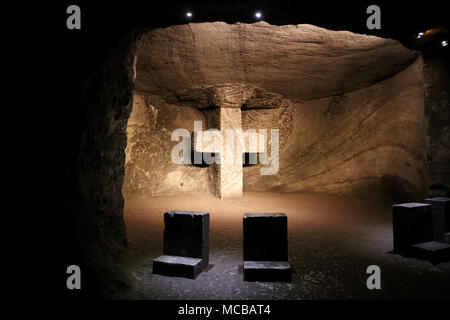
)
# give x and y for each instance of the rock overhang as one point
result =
(296, 62)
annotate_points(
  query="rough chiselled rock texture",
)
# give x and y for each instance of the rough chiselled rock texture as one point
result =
(149, 168)
(437, 106)
(94, 201)
(349, 107)
(236, 95)
(296, 61)
(231, 173)
(368, 144)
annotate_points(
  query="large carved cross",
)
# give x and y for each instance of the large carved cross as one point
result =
(228, 99)
(229, 143)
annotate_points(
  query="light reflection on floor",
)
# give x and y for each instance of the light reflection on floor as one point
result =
(332, 241)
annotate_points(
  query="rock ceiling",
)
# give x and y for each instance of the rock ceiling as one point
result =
(299, 62)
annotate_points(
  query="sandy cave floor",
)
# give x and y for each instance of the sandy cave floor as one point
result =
(332, 241)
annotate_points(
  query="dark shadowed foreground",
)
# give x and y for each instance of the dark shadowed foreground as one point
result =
(332, 241)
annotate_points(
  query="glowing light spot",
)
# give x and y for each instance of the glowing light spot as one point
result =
(189, 14)
(444, 43)
(258, 15)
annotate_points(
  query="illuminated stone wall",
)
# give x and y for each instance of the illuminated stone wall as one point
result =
(349, 108)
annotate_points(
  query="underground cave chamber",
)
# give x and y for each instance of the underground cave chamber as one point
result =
(349, 109)
(353, 139)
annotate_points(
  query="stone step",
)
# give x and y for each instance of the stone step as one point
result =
(432, 251)
(267, 271)
(177, 266)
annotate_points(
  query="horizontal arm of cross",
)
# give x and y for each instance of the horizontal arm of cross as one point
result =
(212, 141)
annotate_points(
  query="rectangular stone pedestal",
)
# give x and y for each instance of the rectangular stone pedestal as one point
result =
(177, 266)
(440, 208)
(267, 271)
(432, 251)
(412, 224)
(265, 237)
(186, 244)
(266, 247)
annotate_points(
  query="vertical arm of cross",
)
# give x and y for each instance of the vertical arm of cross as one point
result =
(230, 143)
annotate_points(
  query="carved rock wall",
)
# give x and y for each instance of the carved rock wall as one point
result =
(349, 108)
(297, 61)
(148, 168)
(368, 144)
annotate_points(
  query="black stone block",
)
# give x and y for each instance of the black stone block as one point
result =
(266, 247)
(265, 237)
(177, 266)
(440, 208)
(432, 251)
(186, 235)
(267, 271)
(412, 224)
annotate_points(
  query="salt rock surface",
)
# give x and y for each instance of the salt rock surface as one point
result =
(349, 107)
(297, 61)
